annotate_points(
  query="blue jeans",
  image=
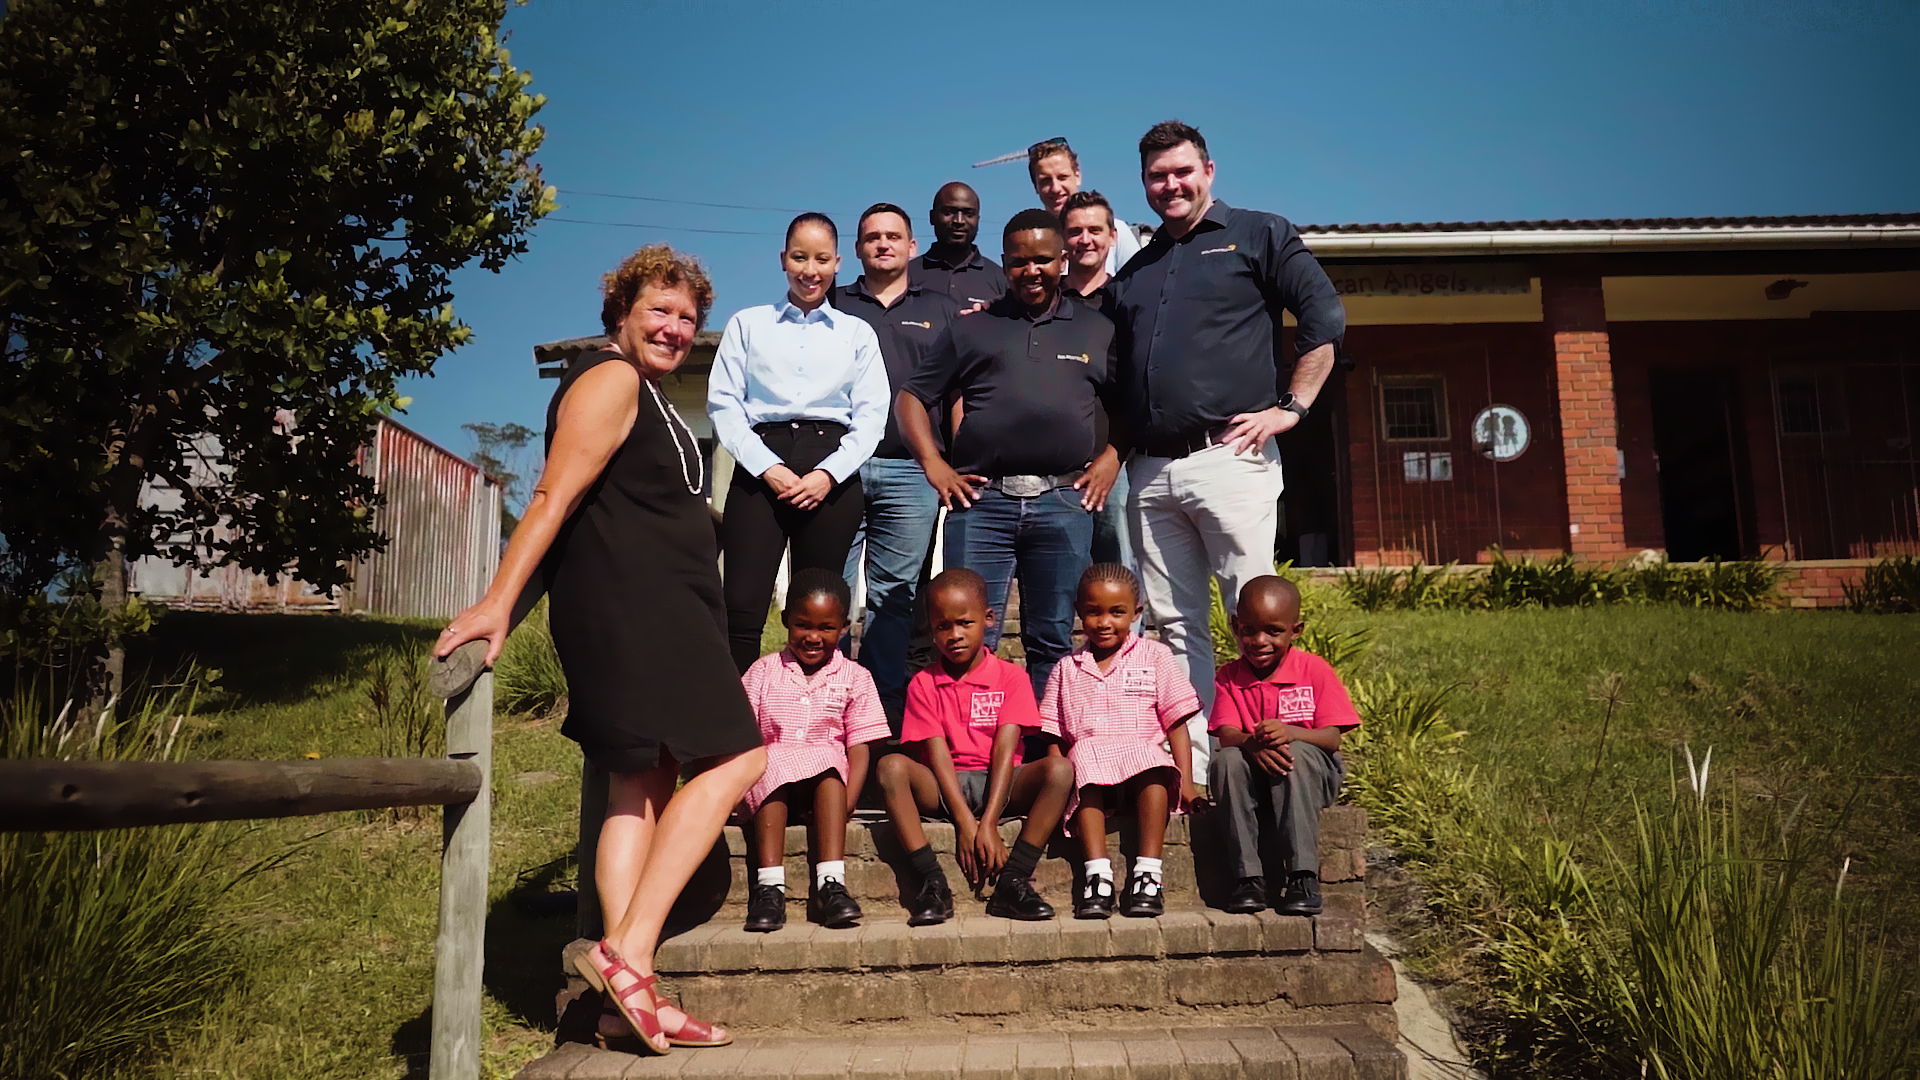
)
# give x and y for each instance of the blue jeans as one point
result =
(1112, 536)
(1045, 540)
(895, 539)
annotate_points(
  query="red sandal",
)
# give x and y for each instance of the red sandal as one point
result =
(693, 1033)
(600, 977)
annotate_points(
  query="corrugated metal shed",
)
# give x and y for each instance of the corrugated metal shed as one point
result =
(441, 519)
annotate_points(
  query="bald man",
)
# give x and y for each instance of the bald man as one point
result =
(953, 264)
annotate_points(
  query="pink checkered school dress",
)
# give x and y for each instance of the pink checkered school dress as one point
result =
(808, 723)
(1115, 722)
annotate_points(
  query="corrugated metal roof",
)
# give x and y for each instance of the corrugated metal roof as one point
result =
(1811, 221)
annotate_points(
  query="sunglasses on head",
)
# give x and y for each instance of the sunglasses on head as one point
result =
(1058, 142)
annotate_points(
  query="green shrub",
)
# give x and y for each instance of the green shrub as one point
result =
(1373, 588)
(405, 717)
(1561, 582)
(116, 941)
(527, 677)
(1889, 587)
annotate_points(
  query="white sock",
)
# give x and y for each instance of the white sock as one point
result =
(1144, 865)
(1100, 868)
(830, 871)
(771, 875)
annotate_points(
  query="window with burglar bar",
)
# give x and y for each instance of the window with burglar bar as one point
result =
(1413, 407)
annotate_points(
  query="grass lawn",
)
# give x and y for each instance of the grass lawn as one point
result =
(1802, 704)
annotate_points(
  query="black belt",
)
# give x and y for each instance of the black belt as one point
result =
(818, 427)
(1027, 486)
(1179, 446)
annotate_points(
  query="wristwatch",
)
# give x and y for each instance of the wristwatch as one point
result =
(1293, 405)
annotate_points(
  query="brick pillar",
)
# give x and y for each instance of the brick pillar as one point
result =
(1576, 315)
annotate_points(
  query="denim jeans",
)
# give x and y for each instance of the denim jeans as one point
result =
(1112, 536)
(895, 538)
(1044, 540)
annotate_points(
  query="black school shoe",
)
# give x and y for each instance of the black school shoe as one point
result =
(1015, 898)
(932, 904)
(766, 909)
(1249, 895)
(1096, 899)
(1144, 897)
(830, 905)
(1302, 896)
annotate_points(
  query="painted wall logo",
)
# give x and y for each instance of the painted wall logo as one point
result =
(921, 325)
(1082, 357)
(986, 707)
(1221, 250)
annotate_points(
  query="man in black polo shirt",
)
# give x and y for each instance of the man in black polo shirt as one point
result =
(953, 264)
(901, 510)
(1023, 477)
(1198, 316)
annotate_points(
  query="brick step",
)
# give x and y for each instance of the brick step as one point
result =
(879, 877)
(977, 970)
(1159, 1052)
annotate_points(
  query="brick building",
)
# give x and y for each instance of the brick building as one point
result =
(1731, 387)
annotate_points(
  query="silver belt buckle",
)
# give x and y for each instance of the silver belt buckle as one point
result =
(1026, 486)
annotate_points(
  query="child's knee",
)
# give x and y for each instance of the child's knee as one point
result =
(1057, 772)
(1230, 765)
(891, 771)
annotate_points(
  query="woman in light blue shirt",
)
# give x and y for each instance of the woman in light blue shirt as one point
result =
(799, 397)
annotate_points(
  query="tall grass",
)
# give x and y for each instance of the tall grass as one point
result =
(1561, 582)
(527, 678)
(117, 940)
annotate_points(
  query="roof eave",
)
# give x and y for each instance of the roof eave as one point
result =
(1550, 241)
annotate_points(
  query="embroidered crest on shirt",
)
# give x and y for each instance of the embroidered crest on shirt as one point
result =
(1294, 704)
(986, 707)
(1221, 250)
(1139, 680)
(1082, 357)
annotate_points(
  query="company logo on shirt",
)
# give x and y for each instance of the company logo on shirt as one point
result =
(1221, 250)
(986, 707)
(1294, 704)
(921, 325)
(1082, 357)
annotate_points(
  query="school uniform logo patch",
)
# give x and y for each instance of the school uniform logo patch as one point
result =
(986, 707)
(834, 697)
(1294, 704)
(1139, 681)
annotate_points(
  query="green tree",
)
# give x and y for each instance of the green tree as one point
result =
(502, 450)
(232, 223)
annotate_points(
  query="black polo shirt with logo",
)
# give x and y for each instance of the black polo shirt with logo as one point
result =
(907, 332)
(1198, 320)
(1027, 386)
(975, 280)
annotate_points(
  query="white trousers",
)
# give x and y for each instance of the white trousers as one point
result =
(1204, 517)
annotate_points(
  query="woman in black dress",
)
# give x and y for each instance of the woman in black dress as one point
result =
(618, 526)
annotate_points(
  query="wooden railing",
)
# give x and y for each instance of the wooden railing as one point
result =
(39, 795)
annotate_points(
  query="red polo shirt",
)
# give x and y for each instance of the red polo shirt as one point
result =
(968, 710)
(1302, 689)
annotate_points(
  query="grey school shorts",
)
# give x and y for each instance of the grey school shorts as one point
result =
(973, 785)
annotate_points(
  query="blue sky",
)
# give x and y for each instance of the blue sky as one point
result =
(1325, 113)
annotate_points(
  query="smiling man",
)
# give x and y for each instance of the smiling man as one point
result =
(1198, 314)
(1023, 476)
(896, 535)
(954, 265)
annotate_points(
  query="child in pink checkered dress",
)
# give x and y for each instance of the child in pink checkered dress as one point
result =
(1121, 703)
(817, 712)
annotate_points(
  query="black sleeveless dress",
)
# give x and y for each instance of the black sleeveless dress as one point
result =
(633, 582)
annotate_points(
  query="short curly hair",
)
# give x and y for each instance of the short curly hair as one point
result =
(655, 264)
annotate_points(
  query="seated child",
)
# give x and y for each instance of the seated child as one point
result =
(1120, 702)
(817, 711)
(1279, 713)
(965, 716)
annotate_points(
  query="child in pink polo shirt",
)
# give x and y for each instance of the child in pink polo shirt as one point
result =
(817, 711)
(965, 718)
(1279, 713)
(1121, 703)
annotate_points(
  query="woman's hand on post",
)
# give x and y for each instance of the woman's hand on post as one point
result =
(482, 620)
(809, 491)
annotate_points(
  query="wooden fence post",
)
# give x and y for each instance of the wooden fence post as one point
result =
(460, 948)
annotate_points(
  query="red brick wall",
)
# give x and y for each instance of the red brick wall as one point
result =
(1575, 311)
(1822, 584)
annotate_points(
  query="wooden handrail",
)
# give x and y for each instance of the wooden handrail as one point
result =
(59, 795)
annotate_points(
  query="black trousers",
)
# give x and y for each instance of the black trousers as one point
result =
(758, 529)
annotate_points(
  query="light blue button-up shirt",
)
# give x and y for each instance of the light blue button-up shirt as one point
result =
(777, 362)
